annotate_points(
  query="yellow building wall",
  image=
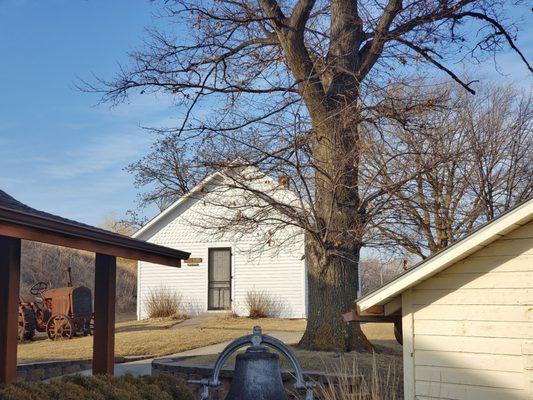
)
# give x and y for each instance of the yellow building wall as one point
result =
(468, 331)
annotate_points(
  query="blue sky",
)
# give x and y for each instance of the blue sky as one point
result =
(61, 153)
(58, 152)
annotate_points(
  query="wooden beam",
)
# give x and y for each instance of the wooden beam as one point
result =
(374, 310)
(94, 246)
(105, 278)
(9, 298)
(352, 316)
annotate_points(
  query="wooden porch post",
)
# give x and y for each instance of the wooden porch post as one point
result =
(9, 298)
(104, 314)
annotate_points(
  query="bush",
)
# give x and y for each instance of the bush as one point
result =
(349, 382)
(262, 305)
(100, 387)
(163, 303)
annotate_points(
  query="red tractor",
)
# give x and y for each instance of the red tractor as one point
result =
(62, 313)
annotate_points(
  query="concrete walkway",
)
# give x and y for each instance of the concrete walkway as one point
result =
(144, 367)
(199, 320)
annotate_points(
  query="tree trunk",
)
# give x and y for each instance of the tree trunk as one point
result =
(333, 253)
(332, 288)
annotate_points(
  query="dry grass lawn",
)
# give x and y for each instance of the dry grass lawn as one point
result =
(320, 360)
(133, 338)
(231, 322)
(146, 324)
(155, 338)
(381, 335)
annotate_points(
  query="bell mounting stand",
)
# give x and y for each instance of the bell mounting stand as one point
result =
(258, 341)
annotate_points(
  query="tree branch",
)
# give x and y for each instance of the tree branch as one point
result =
(500, 30)
(372, 49)
(425, 53)
(272, 9)
(300, 14)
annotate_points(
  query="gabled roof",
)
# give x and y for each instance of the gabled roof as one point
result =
(481, 237)
(159, 217)
(238, 165)
(23, 222)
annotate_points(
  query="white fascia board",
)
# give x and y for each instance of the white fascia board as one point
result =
(454, 253)
(154, 221)
(223, 174)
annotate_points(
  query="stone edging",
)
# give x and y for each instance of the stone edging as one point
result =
(172, 366)
(39, 371)
(44, 370)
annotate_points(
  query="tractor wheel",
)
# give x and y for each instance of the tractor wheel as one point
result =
(26, 324)
(60, 327)
(20, 335)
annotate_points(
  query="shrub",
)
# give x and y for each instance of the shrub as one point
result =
(163, 303)
(262, 305)
(349, 382)
(100, 387)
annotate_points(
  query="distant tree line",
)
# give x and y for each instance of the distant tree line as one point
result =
(470, 158)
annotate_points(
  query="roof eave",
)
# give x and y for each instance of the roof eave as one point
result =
(154, 221)
(23, 225)
(482, 237)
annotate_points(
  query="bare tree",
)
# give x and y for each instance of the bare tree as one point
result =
(479, 150)
(113, 223)
(500, 130)
(170, 170)
(288, 87)
(375, 272)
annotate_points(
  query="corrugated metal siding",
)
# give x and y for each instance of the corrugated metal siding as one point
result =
(472, 322)
(278, 271)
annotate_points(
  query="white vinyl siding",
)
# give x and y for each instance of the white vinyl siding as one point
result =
(277, 270)
(471, 324)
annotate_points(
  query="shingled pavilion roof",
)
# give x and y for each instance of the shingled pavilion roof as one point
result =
(24, 222)
(19, 221)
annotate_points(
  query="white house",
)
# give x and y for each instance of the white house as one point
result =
(226, 265)
(467, 315)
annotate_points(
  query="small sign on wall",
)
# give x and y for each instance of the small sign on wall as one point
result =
(193, 262)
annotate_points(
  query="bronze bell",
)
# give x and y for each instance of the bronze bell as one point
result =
(257, 376)
(257, 373)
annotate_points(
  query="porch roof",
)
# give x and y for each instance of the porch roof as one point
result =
(20, 221)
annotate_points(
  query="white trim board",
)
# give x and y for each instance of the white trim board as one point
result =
(153, 222)
(478, 239)
(199, 188)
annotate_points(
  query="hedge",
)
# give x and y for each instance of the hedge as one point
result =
(100, 387)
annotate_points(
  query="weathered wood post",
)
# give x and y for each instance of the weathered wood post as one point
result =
(105, 277)
(9, 298)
